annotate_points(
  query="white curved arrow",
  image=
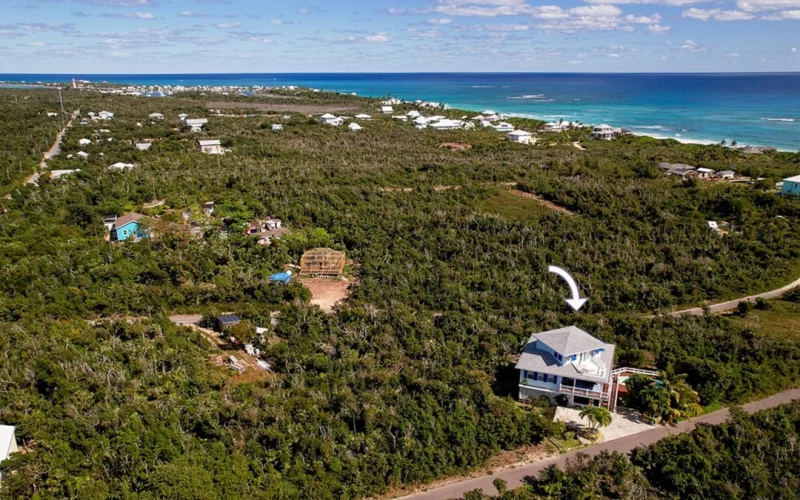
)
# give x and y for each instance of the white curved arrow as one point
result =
(576, 302)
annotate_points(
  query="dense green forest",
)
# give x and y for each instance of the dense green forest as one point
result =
(751, 456)
(412, 378)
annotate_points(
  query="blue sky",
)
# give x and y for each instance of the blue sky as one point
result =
(217, 36)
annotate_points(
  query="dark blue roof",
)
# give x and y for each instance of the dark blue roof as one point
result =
(229, 318)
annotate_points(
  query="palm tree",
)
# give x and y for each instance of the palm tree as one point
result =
(597, 417)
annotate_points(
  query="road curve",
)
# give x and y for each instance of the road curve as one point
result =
(732, 304)
(516, 477)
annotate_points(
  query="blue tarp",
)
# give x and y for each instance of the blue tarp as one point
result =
(281, 278)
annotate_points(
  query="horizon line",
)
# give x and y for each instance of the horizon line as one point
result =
(789, 72)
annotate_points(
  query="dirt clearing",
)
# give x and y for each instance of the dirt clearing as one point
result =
(308, 109)
(548, 204)
(326, 293)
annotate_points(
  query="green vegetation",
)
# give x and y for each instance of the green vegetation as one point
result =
(748, 457)
(781, 319)
(669, 399)
(597, 417)
(410, 380)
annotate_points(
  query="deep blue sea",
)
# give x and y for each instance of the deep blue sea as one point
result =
(755, 109)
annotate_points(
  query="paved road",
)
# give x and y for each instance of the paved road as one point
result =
(516, 477)
(732, 304)
(54, 150)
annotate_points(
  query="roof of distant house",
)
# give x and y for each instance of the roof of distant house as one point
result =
(209, 142)
(127, 219)
(229, 318)
(795, 178)
(520, 133)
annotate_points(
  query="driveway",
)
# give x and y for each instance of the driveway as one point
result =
(516, 477)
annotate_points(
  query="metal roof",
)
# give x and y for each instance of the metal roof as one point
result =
(568, 341)
(127, 219)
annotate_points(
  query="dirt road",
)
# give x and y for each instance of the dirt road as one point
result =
(516, 477)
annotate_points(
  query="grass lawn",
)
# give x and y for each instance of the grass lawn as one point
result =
(512, 207)
(782, 321)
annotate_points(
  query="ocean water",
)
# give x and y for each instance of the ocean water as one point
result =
(750, 108)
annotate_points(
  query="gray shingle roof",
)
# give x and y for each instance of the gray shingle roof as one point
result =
(536, 360)
(568, 341)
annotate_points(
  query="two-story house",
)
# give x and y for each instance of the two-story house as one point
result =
(566, 361)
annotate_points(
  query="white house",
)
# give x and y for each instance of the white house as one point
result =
(402, 118)
(329, 119)
(57, 174)
(143, 146)
(566, 361)
(555, 126)
(520, 136)
(504, 127)
(791, 185)
(105, 115)
(446, 125)
(277, 127)
(605, 132)
(155, 116)
(413, 114)
(183, 116)
(355, 127)
(196, 124)
(83, 154)
(8, 441)
(121, 166)
(387, 110)
(85, 142)
(211, 147)
(726, 175)
(364, 117)
(705, 173)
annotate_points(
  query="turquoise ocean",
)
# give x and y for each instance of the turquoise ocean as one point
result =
(750, 108)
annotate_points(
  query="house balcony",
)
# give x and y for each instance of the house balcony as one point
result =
(577, 391)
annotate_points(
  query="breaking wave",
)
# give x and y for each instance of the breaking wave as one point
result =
(779, 119)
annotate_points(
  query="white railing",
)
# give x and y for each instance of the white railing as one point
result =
(582, 392)
(636, 371)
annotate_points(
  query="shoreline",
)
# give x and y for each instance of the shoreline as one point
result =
(465, 107)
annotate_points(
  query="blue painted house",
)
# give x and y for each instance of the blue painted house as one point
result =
(566, 361)
(791, 185)
(128, 227)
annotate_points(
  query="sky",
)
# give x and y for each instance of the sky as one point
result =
(266, 36)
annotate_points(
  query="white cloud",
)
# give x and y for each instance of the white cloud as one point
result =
(503, 27)
(794, 50)
(440, 21)
(227, 26)
(613, 55)
(693, 46)
(658, 29)
(732, 54)
(378, 38)
(673, 3)
(276, 22)
(189, 13)
(596, 11)
(763, 5)
(654, 19)
(717, 14)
